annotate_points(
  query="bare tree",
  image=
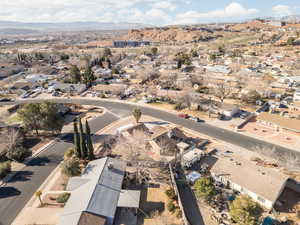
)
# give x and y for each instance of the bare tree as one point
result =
(222, 90)
(13, 139)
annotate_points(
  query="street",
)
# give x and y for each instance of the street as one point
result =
(18, 191)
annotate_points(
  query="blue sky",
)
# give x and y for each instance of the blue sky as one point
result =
(156, 12)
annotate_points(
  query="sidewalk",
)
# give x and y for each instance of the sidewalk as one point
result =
(16, 167)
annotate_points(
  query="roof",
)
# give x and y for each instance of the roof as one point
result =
(97, 191)
(129, 199)
(284, 122)
(69, 87)
(265, 182)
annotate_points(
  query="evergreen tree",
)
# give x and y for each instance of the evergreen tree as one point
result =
(88, 76)
(77, 141)
(75, 74)
(89, 143)
(108, 63)
(82, 141)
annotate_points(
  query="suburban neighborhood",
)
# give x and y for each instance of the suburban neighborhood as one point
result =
(128, 123)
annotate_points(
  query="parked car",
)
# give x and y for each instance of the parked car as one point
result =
(244, 114)
(55, 93)
(183, 115)
(196, 119)
(5, 100)
(221, 117)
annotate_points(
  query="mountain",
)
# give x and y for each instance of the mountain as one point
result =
(72, 26)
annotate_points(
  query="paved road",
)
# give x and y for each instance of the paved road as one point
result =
(124, 109)
(19, 190)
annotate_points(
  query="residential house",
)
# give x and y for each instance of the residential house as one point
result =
(68, 88)
(279, 122)
(228, 110)
(97, 197)
(296, 97)
(263, 184)
(114, 89)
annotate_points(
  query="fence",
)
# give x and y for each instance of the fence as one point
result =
(185, 220)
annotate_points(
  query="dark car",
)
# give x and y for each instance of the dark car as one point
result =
(196, 119)
(244, 114)
(5, 100)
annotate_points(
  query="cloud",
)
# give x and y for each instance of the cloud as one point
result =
(233, 10)
(282, 10)
(164, 5)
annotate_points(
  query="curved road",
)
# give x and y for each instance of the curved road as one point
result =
(209, 130)
(16, 193)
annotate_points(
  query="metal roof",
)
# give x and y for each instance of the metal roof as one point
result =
(97, 192)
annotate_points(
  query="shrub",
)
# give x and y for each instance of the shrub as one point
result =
(71, 167)
(171, 206)
(69, 153)
(5, 168)
(63, 198)
(18, 154)
(171, 193)
(178, 213)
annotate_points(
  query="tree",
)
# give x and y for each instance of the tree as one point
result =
(222, 91)
(154, 51)
(52, 119)
(107, 52)
(89, 143)
(251, 97)
(18, 153)
(244, 211)
(71, 167)
(137, 114)
(30, 114)
(41, 116)
(83, 148)
(108, 63)
(88, 76)
(205, 188)
(77, 141)
(38, 194)
(75, 74)
(290, 41)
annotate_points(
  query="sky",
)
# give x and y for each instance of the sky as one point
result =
(154, 12)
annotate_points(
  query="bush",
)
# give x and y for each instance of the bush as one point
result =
(18, 154)
(171, 206)
(71, 167)
(69, 153)
(5, 168)
(171, 193)
(63, 198)
(178, 213)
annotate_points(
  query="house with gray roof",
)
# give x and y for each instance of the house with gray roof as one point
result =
(97, 195)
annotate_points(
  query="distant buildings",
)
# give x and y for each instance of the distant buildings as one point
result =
(123, 44)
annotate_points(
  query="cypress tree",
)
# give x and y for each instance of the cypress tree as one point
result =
(82, 141)
(77, 141)
(89, 143)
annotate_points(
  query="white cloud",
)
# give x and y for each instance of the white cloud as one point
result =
(164, 5)
(282, 10)
(233, 10)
